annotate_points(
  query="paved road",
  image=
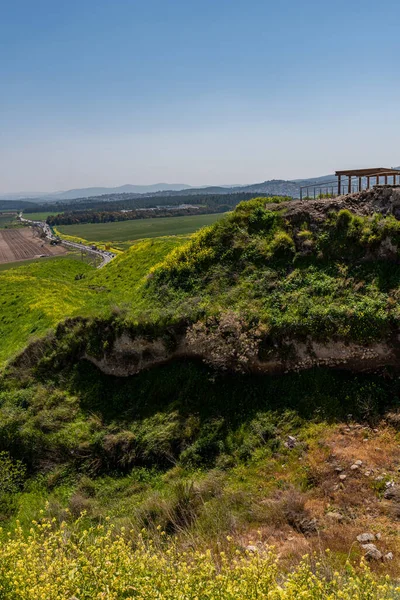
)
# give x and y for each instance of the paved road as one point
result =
(105, 256)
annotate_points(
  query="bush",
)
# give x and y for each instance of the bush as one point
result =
(282, 245)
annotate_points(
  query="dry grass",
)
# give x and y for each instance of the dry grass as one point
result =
(342, 508)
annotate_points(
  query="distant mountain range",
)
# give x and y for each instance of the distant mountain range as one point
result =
(94, 191)
(272, 187)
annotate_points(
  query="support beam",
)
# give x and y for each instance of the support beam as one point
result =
(339, 185)
(359, 184)
(368, 183)
(349, 178)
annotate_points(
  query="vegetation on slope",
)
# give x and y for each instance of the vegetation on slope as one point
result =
(339, 279)
(99, 564)
(194, 456)
(203, 456)
(36, 297)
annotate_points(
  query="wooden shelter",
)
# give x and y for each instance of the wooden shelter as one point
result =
(369, 174)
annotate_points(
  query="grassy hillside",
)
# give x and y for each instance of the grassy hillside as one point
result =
(213, 461)
(340, 279)
(37, 296)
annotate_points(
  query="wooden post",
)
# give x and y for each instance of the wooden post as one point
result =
(349, 184)
(368, 183)
(386, 180)
(339, 185)
(359, 184)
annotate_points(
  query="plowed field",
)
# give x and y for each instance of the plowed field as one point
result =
(22, 244)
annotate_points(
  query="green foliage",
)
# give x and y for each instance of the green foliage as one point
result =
(12, 476)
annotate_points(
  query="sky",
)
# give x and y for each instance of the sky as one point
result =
(109, 92)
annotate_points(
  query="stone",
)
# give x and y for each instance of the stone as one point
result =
(364, 538)
(291, 442)
(392, 493)
(389, 556)
(372, 552)
(251, 548)
(342, 476)
(338, 469)
(335, 516)
(358, 463)
(354, 467)
(378, 536)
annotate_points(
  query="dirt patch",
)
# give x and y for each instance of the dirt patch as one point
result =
(24, 244)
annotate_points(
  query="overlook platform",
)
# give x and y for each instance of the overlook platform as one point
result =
(350, 181)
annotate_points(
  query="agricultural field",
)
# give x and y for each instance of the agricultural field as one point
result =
(7, 219)
(40, 216)
(22, 243)
(122, 233)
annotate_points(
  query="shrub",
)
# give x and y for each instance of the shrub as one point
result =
(12, 477)
(282, 245)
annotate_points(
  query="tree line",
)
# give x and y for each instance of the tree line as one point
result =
(118, 202)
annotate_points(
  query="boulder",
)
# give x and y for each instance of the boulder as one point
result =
(364, 538)
(335, 516)
(291, 442)
(372, 552)
(389, 556)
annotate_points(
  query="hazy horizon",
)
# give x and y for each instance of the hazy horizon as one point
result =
(102, 95)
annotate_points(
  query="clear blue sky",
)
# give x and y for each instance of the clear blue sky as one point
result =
(97, 92)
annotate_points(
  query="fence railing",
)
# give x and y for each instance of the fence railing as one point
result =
(328, 189)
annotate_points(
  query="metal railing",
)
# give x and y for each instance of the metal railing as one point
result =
(329, 189)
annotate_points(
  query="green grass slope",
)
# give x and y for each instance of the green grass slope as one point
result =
(340, 279)
(35, 297)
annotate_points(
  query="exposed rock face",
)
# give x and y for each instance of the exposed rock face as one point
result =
(130, 355)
